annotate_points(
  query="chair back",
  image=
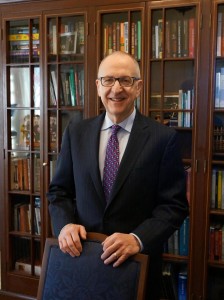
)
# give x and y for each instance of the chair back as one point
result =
(86, 277)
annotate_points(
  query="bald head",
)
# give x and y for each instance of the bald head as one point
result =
(119, 56)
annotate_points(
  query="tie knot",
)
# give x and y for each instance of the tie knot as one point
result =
(115, 129)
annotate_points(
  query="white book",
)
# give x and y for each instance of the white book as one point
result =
(157, 40)
(126, 37)
(219, 34)
(221, 93)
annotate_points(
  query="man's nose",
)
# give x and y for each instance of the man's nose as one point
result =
(116, 85)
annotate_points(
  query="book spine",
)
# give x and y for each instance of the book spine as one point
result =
(219, 35)
(72, 86)
(191, 36)
(184, 237)
(167, 40)
(139, 34)
(182, 286)
(126, 37)
(121, 36)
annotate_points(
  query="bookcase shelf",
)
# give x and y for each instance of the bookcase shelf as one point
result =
(49, 60)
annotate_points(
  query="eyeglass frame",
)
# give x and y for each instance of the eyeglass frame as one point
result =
(118, 79)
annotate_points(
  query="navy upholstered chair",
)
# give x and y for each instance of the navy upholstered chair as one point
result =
(86, 277)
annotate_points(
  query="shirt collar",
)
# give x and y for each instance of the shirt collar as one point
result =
(126, 124)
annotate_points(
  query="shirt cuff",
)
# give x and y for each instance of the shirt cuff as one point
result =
(140, 242)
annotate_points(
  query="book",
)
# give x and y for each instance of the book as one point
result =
(37, 213)
(72, 86)
(213, 189)
(184, 238)
(216, 241)
(66, 88)
(139, 39)
(126, 37)
(182, 286)
(167, 39)
(217, 88)
(26, 174)
(179, 38)
(77, 88)
(36, 173)
(191, 37)
(24, 218)
(221, 89)
(219, 34)
(81, 37)
(173, 38)
(185, 44)
(14, 184)
(23, 37)
(52, 38)
(121, 37)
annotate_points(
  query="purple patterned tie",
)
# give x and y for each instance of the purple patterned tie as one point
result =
(111, 163)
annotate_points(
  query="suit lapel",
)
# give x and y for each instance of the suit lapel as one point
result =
(94, 136)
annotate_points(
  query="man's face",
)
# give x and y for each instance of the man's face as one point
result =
(118, 100)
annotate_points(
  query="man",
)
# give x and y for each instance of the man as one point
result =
(148, 198)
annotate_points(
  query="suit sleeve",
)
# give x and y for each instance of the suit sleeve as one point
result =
(61, 194)
(172, 205)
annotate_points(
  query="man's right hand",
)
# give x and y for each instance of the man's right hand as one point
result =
(70, 239)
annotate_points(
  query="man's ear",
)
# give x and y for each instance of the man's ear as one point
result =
(139, 87)
(98, 86)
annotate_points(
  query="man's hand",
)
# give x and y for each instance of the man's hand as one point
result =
(118, 247)
(70, 239)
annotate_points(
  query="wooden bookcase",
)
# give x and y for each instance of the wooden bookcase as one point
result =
(215, 207)
(50, 51)
(171, 99)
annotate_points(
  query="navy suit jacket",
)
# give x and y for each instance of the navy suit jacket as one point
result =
(149, 195)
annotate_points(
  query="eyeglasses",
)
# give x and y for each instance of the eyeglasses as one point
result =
(125, 81)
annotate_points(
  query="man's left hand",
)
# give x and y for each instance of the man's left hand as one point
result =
(118, 247)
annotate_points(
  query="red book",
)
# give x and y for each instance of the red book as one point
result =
(191, 36)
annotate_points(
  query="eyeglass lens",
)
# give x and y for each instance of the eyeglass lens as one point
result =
(123, 81)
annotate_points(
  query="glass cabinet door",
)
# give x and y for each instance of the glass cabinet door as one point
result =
(65, 78)
(23, 127)
(216, 177)
(171, 101)
(121, 29)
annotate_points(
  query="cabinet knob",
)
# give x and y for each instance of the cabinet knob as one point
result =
(44, 164)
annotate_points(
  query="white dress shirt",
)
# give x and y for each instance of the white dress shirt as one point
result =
(122, 135)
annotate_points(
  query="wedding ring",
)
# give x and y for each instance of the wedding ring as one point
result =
(115, 255)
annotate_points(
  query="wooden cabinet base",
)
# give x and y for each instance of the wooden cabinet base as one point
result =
(12, 296)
